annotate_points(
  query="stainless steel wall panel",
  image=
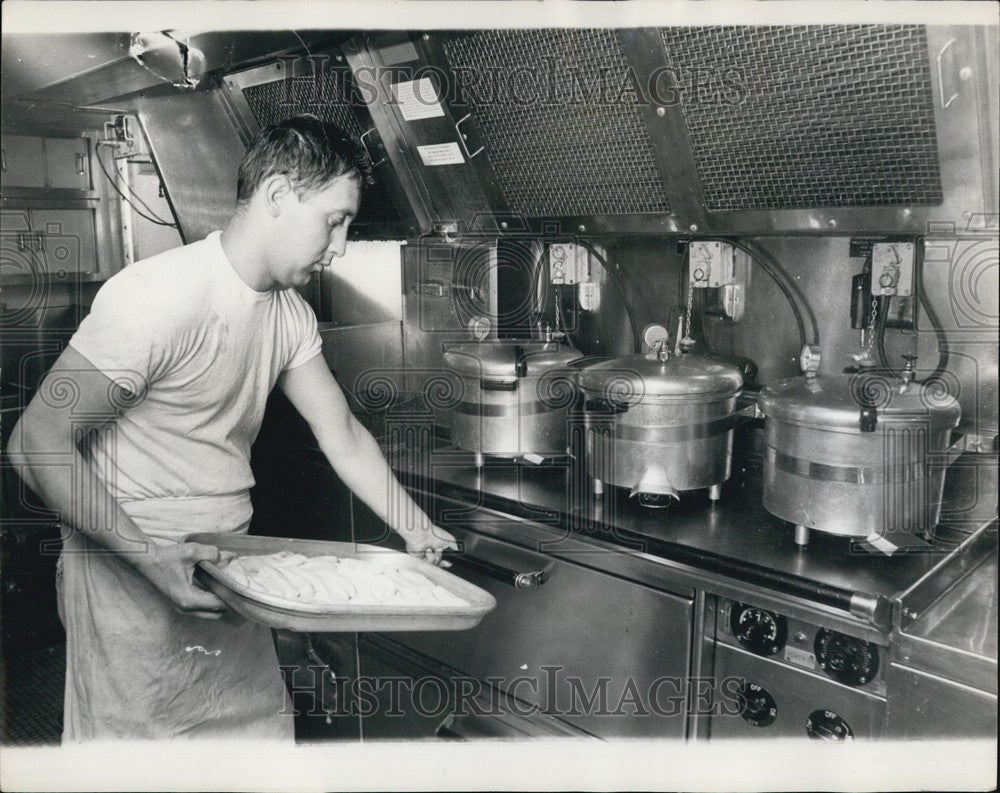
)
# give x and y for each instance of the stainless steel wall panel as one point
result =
(364, 285)
(197, 151)
(353, 350)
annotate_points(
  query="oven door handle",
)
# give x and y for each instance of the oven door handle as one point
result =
(517, 578)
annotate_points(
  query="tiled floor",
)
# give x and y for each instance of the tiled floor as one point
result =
(31, 697)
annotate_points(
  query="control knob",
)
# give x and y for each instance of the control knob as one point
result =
(825, 725)
(847, 660)
(761, 632)
(757, 706)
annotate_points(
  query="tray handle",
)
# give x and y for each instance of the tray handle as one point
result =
(522, 578)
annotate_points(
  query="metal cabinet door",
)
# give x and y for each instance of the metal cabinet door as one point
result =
(927, 707)
(16, 257)
(23, 161)
(67, 163)
(604, 654)
(65, 240)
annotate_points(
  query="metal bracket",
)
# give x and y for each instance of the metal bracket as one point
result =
(367, 150)
(945, 103)
(462, 137)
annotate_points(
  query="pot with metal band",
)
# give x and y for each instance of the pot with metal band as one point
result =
(660, 424)
(856, 455)
(516, 398)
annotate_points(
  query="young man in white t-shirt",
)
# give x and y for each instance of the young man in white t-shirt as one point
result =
(141, 434)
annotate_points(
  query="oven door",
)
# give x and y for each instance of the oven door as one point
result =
(606, 655)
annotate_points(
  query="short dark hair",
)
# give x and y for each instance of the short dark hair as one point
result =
(309, 151)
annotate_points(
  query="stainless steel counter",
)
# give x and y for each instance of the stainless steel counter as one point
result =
(965, 618)
(956, 637)
(737, 538)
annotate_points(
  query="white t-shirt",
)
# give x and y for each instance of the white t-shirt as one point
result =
(202, 350)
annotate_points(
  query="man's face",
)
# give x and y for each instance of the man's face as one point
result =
(314, 230)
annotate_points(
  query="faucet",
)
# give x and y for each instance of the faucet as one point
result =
(908, 373)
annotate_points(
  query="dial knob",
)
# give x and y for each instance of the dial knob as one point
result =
(847, 660)
(761, 632)
(757, 706)
(825, 725)
(699, 274)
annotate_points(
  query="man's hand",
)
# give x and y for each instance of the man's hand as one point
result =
(171, 570)
(428, 543)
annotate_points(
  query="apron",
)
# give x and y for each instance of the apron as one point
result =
(137, 668)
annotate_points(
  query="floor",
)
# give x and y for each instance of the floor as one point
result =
(31, 697)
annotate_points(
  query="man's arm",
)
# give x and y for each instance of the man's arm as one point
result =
(357, 459)
(44, 449)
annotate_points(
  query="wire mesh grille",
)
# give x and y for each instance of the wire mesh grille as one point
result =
(817, 116)
(559, 138)
(333, 98)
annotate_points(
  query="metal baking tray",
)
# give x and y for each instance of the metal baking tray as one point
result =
(316, 618)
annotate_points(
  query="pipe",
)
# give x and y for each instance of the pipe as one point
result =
(942, 340)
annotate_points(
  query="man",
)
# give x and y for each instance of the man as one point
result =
(141, 434)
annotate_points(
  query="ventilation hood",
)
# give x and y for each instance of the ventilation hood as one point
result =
(833, 129)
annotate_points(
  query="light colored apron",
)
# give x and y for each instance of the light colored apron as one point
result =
(136, 668)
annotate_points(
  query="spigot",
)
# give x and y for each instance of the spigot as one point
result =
(908, 373)
(664, 352)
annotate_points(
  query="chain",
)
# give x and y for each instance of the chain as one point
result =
(871, 328)
(687, 315)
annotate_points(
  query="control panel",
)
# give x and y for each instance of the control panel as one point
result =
(568, 263)
(892, 269)
(780, 676)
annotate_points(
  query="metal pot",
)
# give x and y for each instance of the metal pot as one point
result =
(660, 425)
(515, 399)
(855, 454)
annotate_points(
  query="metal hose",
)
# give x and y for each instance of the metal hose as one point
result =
(613, 275)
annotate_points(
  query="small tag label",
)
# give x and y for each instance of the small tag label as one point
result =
(441, 154)
(881, 543)
(800, 657)
(417, 99)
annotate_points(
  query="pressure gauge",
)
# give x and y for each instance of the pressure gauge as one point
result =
(809, 359)
(653, 335)
(479, 328)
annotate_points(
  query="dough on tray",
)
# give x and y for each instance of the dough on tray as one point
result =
(337, 581)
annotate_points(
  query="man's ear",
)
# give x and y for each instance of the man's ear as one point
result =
(276, 191)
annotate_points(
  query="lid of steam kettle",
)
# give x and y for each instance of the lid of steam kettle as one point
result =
(499, 359)
(631, 377)
(834, 401)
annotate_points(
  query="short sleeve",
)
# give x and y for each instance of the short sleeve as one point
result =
(306, 341)
(118, 336)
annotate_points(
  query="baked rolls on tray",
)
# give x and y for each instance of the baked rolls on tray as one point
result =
(336, 581)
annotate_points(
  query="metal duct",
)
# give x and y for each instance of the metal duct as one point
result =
(575, 149)
(817, 116)
(197, 154)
